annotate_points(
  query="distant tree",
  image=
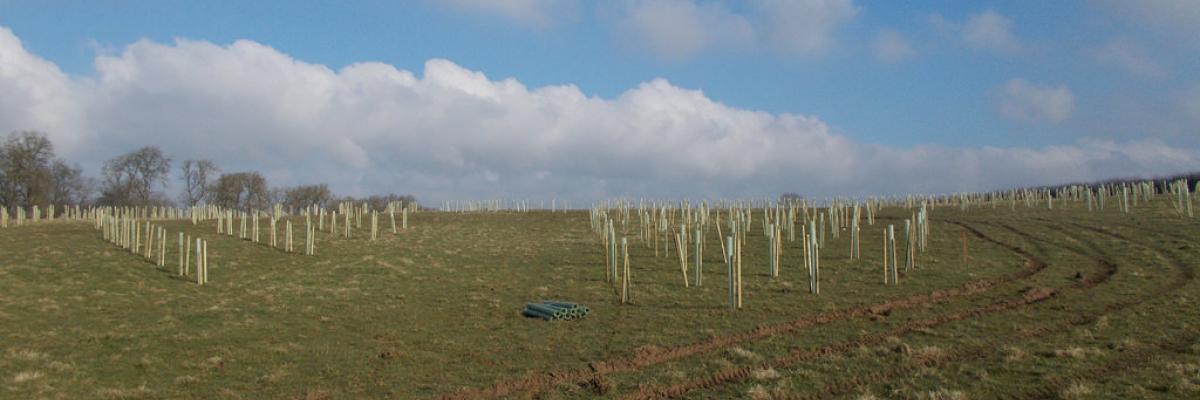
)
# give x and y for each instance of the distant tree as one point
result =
(380, 202)
(197, 176)
(68, 185)
(242, 190)
(788, 197)
(306, 195)
(131, 179)
(25, 169)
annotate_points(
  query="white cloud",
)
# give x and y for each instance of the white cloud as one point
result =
(534, 13)
(1191, 102)
(892, 47)
(678, 29)
(804, 26)
(1024, 101)
(1175, 16)
(1128, 55)
(990, 31)
(454, 133)
(34, 93)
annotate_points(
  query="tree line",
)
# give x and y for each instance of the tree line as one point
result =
(32, 174)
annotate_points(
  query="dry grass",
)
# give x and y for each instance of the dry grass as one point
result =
(942, 394)
(1013, 354)
(140, 392)
(26, 376)
(765, 374)
(743, 354)
(1076, 390)
(1079, 353)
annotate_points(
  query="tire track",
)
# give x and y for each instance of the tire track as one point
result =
(1105, 271)
(990, 348)
(591, 375)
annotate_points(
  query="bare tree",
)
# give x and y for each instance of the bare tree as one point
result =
(25, 165)
(68, 185)
(380, 202)
(196, 183)
(307, 195)
(130, 179)
(242, 190)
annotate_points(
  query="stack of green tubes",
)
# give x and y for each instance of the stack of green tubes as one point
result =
(555, 310)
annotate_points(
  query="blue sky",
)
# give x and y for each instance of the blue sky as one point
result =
(956, 76)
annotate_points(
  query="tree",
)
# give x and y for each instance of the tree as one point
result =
(25, 176)
(306, 195)
(68, 185)
(242, 190)
(196, 176)
(130, 179)
(790, 197)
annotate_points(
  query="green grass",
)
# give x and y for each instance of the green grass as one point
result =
(435, 310)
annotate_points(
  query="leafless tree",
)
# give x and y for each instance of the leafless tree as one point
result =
(25, 169)
(68, 185)
(196, 177)
(242, 190)
(307, 195)
(131, 179)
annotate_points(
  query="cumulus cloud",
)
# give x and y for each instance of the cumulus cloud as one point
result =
(1128, 55)
(892, 47)
(450, 132)
(1025, 101)
(987, 30)
(1175, 16)
(538, 14)
(990, 31)
(677, 29)
(804, 26)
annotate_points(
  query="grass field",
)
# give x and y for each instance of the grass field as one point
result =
(1058, 303)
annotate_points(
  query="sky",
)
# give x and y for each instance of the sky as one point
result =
(586, 100)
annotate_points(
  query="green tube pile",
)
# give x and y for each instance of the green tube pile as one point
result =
(555, 310)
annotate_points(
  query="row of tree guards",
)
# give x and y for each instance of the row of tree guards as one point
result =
(654, 220)
(498, 205)
(652, 225)
(148, 240)
(135, 229)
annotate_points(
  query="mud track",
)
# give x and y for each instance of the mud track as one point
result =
(1104, 271)
(594, 371)
(1049, 387)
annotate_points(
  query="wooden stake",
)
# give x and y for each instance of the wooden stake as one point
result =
(964, 242)
(625, 275)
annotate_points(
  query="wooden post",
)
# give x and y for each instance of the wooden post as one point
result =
(885, 258)
(699, 256)
(205, 258)
(964, 242)
(625, 274)
(149, 252)
(162, 246)
(682, 260)
(892, 247)
(738, 267)
(181, 254)
(607, 256)
(199, 263)
(729, 269)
